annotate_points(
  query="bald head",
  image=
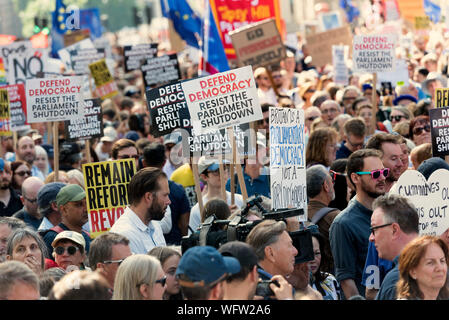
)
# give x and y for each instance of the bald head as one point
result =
(25, 149)
(329, 111)
(30, 189)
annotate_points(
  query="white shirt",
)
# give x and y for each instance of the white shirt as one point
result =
(142, 238)
(267, 96)
(195, 214)
(45, 225)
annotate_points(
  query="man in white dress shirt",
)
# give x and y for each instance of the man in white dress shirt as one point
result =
(148, 193)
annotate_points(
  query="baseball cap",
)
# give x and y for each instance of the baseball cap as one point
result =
(109, 135)
(132, 135)
(48, 193)
(71, 192)
(207, 164)
(428, 166)
(72, 236)
(242, 251)
(173, 137)
(204, 265)
(49, 148)
(70, 151)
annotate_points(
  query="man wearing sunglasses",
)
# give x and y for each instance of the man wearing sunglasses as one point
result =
(30, 211)
(69, 250)
(349, 232)
(124, 149)
(354, 131)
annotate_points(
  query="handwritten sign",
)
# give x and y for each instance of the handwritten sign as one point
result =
(106, 186)
(374, 53)
(288, 159)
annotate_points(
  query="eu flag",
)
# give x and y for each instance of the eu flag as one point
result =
(351, 11)
(186, 23)
(432, 10)
(58, 28)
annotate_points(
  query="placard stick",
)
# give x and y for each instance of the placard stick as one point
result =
(273, 85)
(142, 87)
(88, 155)
(196, 178)
(222, 177)
(446, 158)
(56, 150)
(231, 170)
(49, 132)
(14, 141)
(238, 167)
(374, 101)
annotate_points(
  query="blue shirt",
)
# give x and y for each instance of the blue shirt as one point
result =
(179, 205)
(259, 185)
(348, 235)
(343, 152)
(375, 268)
(388, 288)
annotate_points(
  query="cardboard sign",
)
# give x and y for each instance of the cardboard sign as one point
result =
(54, 99)
(135, 55)
(106, 186)
(104, 82)
(164, 103)
(90, 126)
(441, 97)
(429, 197)
(81, 58)
(258, 44)
(222, 100)
(18, 107)
(159, 70)
(5, 115)
(320, 44)
(339, 56)
(439, 124)
(288, 159)
(374, 53)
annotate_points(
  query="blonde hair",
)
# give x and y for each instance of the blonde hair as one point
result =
(41, 152)
(77, 175)
(62, 177)
(133, 271)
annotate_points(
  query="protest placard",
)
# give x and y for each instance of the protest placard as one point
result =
(5, 115)
(422, 23)
(54, 99)
(88, 127)
(2, 73)
(429, 197)
(17, 105)
(441, 97)
(398, 77)
(15, 48)
(106, 185)
(104, 82)
(320, 45)
(160, 70)
(258, 44)
(64, 53)
(288, 159)
(222, 100)
(374, 53)
(339, 56)
(135, 55)
(329, 20)
(439, 124)
(82, 58)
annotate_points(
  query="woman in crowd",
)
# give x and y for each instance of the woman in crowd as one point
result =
(41, 161)
(419, 131)
(423, 270)
(342, 192)
(169, 259)
(69, 250)
(139, 277)
(20, 171)
(399, 114)
(321, 147)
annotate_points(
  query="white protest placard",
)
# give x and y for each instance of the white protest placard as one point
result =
(339, 56)
(65, 53)
(28, 64)
(54, 99)
(374, 53)
(431, 199)
(288, 159)
(223, 99)
(14, 49)
(398, 77)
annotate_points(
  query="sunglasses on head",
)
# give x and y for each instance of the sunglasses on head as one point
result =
(396, 118)
(71, 250)
(419, 130)
(335, 174)
(375, 174)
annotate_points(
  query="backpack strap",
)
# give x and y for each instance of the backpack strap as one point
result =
(57, 229)
(321, 214)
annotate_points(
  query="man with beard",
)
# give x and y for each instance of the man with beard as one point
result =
(350, 230)
(9, 199)
(148, 198)
(26, 151)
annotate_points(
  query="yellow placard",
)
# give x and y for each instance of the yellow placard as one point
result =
(441, 97)
(5, 114)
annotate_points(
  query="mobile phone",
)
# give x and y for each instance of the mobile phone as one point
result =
(263, 288)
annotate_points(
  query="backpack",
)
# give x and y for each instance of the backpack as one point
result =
(320, 214)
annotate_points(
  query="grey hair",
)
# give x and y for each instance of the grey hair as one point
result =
(336, 121)
(20, 234)
(12, 272)
(315, 175)
(265, 234)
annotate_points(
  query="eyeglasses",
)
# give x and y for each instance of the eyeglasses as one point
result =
(30, 200)
(418, 131)
(114, 261)
(162, 281)
(372, 229)
(71, 250)
(396, 118)
(334, 175)
(375, 174)
(331, 110)
(126, 156)
(22, 173)
(356, 145)
(311, 118)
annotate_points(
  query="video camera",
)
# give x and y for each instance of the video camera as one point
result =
(211, 232)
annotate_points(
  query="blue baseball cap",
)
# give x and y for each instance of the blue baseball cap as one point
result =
(404, 97)
(47, 194)
(204, 265)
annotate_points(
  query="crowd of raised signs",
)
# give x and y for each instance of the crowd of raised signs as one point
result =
(365, 147)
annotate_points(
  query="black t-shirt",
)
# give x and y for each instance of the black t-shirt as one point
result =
(14, 205)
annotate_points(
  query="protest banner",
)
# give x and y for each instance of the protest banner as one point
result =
(64, 53)
(439, 124)
(5, 115)
(258, 44)
(15, 48)
(231, 15)
(17, 105)
(106, 185)
(374, 53)
(222, 100)
(398, 77)
(88, 127)
(82, 58)
(441, 97)
(160, 70)
(135, 55)
(320, 45)
(287, 159)
(104, 82)
(430, 198)
(339, 57)
(54, 99)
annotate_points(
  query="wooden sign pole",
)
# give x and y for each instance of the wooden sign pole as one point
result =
(238, 168)
(374, 101)
(49, 132)
(56, 150)
(232, 169)
(88, 155)
(196, 178)
(222, 177)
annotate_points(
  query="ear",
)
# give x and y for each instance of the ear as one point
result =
(395, 230)
(217, 292)
(22, 199)
(269, 253)
(326, 186)
(412, 274)
(254, 275)
(144, 291)
(100, 266)
(355, 178)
